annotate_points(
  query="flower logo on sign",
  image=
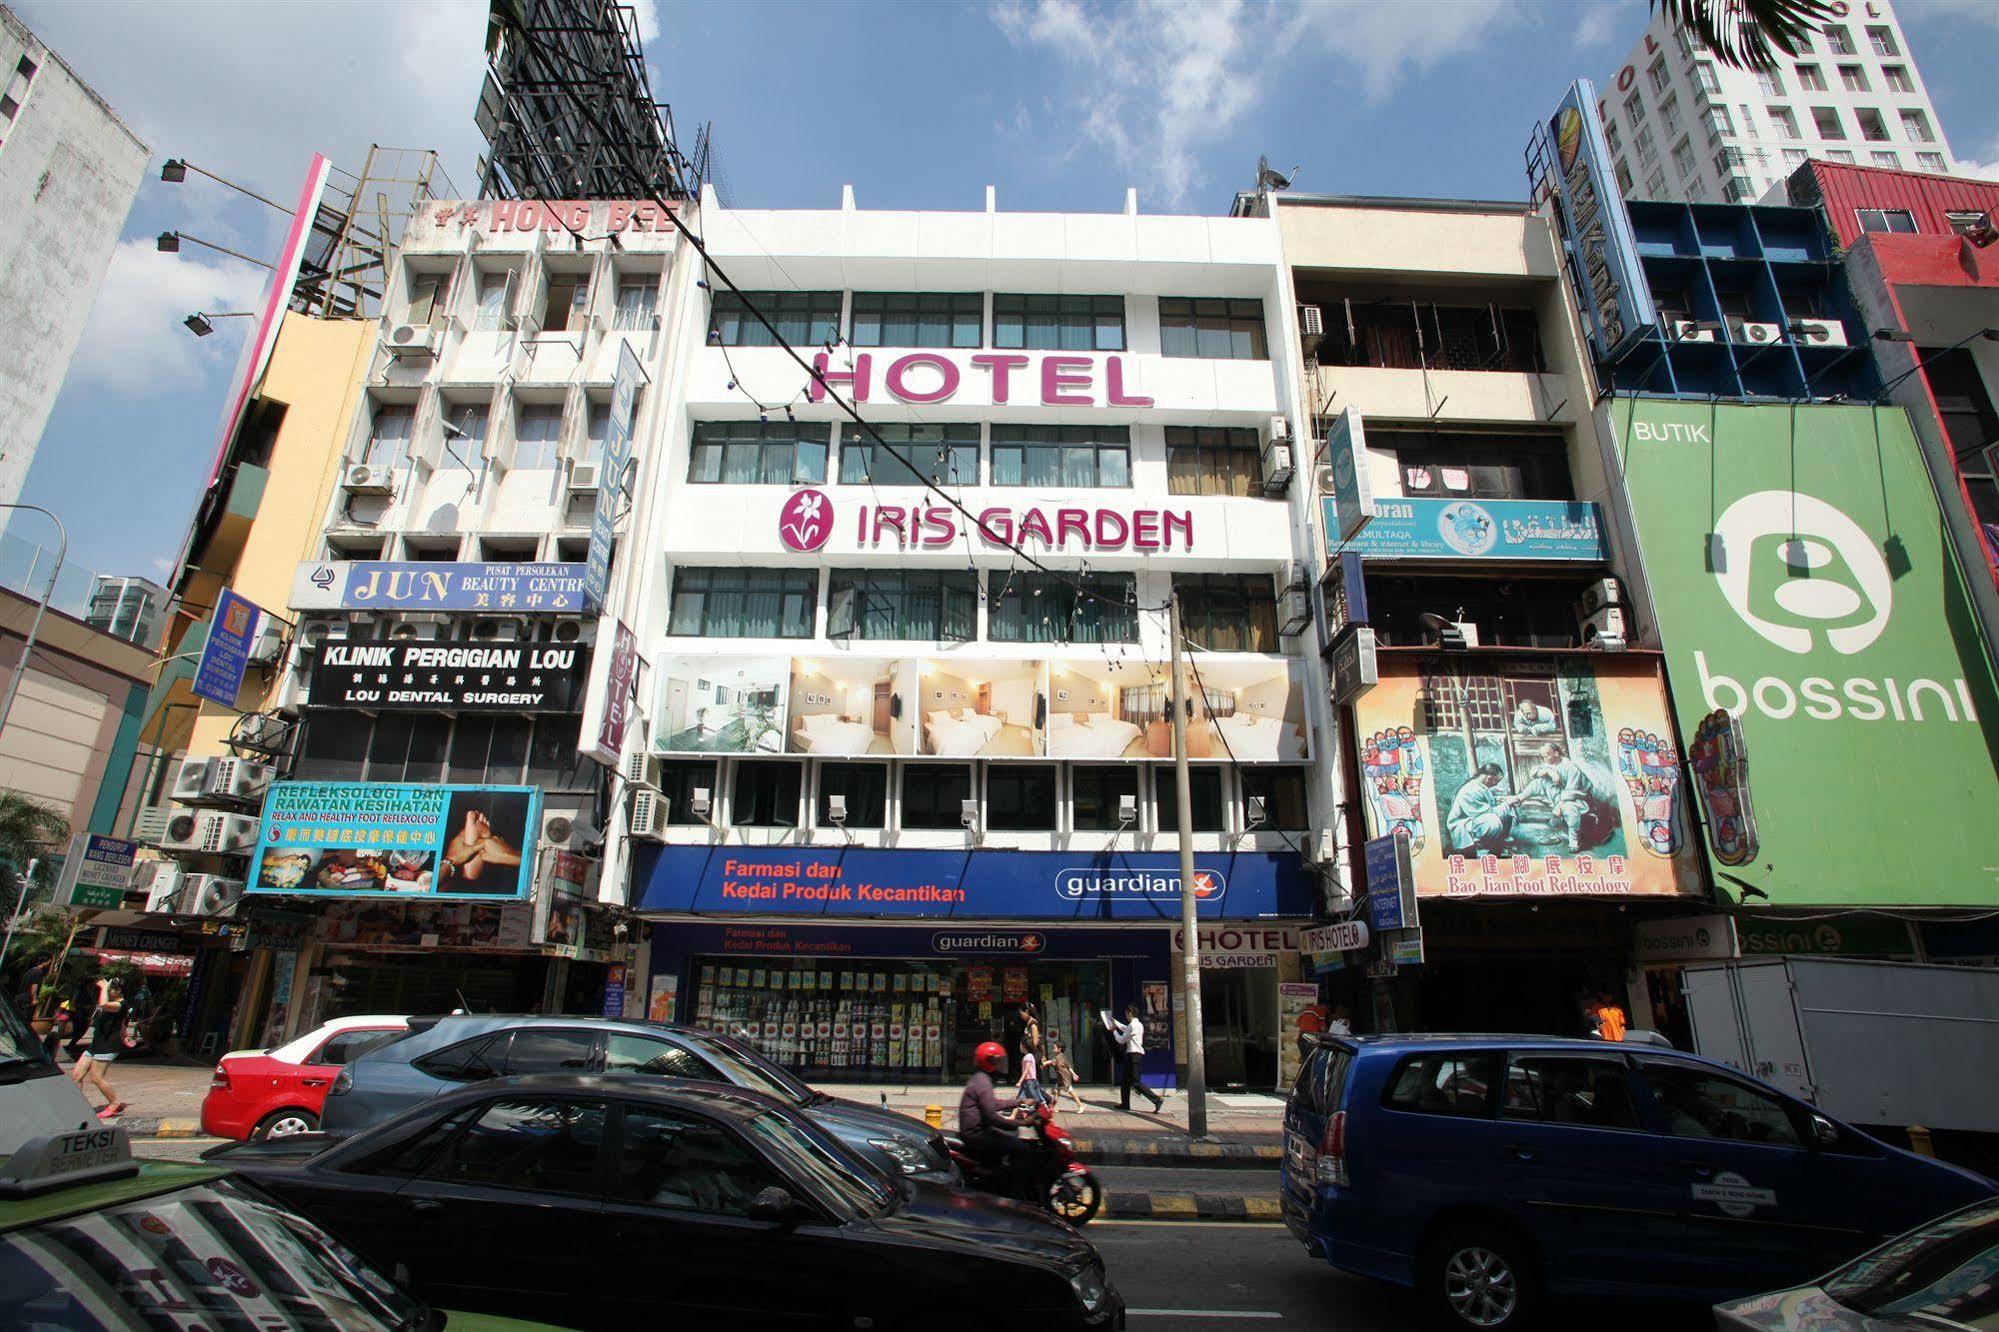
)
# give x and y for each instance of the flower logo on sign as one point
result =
(805, 521)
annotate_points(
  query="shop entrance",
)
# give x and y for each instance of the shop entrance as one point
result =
(1239, 1026)
(429, 983)
(1066, 995)
(1540, 996)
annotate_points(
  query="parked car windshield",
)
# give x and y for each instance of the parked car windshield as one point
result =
(746, 1068)
(214, 1255)
(21, 1054)
(801, 1151)
(1948, 1269)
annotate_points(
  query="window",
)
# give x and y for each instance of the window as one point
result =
(1634, 109)
(910, 455)
(347, 1046)
(1624, 177)
(487, 751)
(1400, 332)
(546, 1050)
(1228, 612)
(759, 453)
(1094, 795)
(1839, 155)
(1882, 38)
(426, 294)
(1647, 150)
(495, 289)
(537, 436)
(638, 298)
(744, 603)
(26, 67)
(918, 319)
(1685, 41)
(932, 605)
(1719, 122)
(1705, 76)
(932, 794)
(1059, 323)
(1444, 1083)
(1219, 330)
(661, 1059)
(1655, 184)
(1916, 126)
(1872, 127)
(597, 432)
(1052, 455)
(1669, 115)
(678, 781)
(803, 318)
(406, 747)
(568, 302)
(1699, 1104)
(864, 786)
(1683, 158)
(686, 1164)
(1826, 120)
(1657, 71)
(1886, 219)
(1810, 79)
(1853, 78)
(475, 1060)
(389, 435)
(1838, 40)
(1888, 160)
(538, 1146)
(1897, 78)
(1024, 607)
(1795, 157)
(1473, 466)
(1587, 1093)
(1204, 794)
(1728, 162)
(465, 433)
(1785, 121)
(1931, 162)
(1282, 791)
(1737, 189)
(1213, 460)
(9, 108)
(1020, 797)
(1612, 138)
(766, 794)
(1769, 83)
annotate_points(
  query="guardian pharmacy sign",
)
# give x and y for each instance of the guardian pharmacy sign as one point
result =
(1802, 583)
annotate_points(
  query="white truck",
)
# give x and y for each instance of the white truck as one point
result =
(1882, 1043)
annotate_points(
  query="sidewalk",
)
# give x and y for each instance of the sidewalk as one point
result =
(162, 1097)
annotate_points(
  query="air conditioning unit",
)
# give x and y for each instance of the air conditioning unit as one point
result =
(1691, 330)
(417, 629)
(413, 341)
(209, 894)
(270, 641)
(573, 631)
(260, 731)
(1820, 332)
(567, 830)
(149, 825)
(183, 829)
(324, 631)
(583, 478)
(1324, 477)
(239, 780)
(499, 630)
(368, 479)
(191, 780)
(160, 881)
(1754, 334)
(649, 810)
(1325, 847)
(1311, 326)
(227, 834)
(1295, 609)
(1607, 629)
(640, 769)
(1603, 592)
(1280, 428)
(1277, 466)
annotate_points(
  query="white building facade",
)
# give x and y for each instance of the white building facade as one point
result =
(1682, 125)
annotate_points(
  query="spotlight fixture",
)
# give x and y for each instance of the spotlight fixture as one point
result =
(173, 171)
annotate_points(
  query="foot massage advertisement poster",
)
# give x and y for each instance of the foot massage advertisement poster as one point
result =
(378, 839)
(1527, 777)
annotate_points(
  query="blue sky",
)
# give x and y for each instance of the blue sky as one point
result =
(1060, 105)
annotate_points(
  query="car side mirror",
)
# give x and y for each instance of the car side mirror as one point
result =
(772, 1204)
(1825, 1133)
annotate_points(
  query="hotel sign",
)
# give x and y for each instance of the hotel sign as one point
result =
(925, 378)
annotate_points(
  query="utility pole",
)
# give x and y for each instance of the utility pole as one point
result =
(1190, 934)
(41, 608)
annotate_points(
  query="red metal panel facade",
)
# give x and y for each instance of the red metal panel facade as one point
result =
(1841, 190)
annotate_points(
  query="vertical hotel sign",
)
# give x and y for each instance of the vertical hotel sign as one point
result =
(1603, 262)
(611, 477)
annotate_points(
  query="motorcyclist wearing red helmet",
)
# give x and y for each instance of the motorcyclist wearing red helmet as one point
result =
(983, 1121)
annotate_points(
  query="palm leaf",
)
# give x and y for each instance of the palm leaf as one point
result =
(1749, 34)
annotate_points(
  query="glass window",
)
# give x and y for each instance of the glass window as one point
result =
(1095, 793)
(1886, 219)
(1213, 460)
(1838, 40)
(744, 603)
(1810, 78)
(932, 793)
(1885, 159)
(1204, 795)
(1647, 148)
(1612, 138)
(918, 319)
(347, 1046)
(1882, 39)
(568, 301)
(494, 289)
(540, 1146)
(1719, 122)
(389, 434)
(1221, 330)
(1931, 162)
(1444, 1082)
(1059, 323)
(334, 749)
(1697, 1104)
(1786, 121)
(933, 605)
(468, 1061)
(1228, 612)
(1655, 184)
(766, 794)
(1669, 115)
(1657, 71)
(1795, 157)
(1067, 608)
(1839, 155)
(1872, 127)
(803, 318)
(1683, 158)
(1916, 126)
(687, 1164)
(487, 751)
(537, 435)
(1769, 83)
(1728, 161)
(759, 453)
(864, 786)
(1942, 1275)
(1897, 78)
(1282, 791)
(465, 433)
(1061, 456)
(678, 781)
(910, 455)
(1020, 797)
(1853, 78)
(1705, 76)
(638, 297)
(426, 290)
(659, 1058)
(1826, 120)
(549, 1050)
(597, 431)
(1634, 109)
(1589, 1093)
(553, 763)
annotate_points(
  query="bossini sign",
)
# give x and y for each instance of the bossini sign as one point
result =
(1801, 583)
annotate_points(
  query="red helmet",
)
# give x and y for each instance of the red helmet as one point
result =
(990, 1057)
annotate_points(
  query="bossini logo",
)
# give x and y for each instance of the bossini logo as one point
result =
(1798, 571)
(1077, 885)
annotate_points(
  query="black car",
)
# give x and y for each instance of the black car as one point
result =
(603, 1201)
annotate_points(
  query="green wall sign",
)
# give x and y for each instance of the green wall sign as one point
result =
(1802, 581)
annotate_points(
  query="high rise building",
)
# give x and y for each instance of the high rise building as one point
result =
(127, 608)
(68, 170)
(1682, 125)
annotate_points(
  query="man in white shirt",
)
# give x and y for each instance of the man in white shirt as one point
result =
(1129, 1038)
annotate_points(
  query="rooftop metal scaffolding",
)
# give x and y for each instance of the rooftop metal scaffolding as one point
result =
(359, 223)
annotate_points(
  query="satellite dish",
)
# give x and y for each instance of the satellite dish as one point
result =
(1268, 178)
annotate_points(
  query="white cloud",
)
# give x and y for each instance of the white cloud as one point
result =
(1599, 23)
(1982, 11)
(647, 12)
(135, 343)
(1158, 82)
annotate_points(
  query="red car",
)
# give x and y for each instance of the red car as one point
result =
(276, 1093)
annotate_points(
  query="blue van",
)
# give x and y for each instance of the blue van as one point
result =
(1488, 1171)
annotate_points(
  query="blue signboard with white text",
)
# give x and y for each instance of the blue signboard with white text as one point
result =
(863, 882)
(1384, 884)
(1441, 528)
(218, 677)
(514, 589)
(395, 839)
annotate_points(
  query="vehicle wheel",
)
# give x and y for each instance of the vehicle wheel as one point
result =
(1075, 1197)
(1479, 1276)
(285, 1123)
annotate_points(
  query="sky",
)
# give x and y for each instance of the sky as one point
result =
(1059, 104)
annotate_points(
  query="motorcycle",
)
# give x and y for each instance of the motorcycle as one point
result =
(1050, 1174)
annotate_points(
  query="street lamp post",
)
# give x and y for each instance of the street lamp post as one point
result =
(41, 608)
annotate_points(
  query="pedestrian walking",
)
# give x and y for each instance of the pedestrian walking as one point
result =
(1029, 1087)
(1063, 1073)
(1129, 1037)
(107, 1042)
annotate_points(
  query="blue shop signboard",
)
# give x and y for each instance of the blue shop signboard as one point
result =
(1441, 528)
(975, 884)
(515, 589)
